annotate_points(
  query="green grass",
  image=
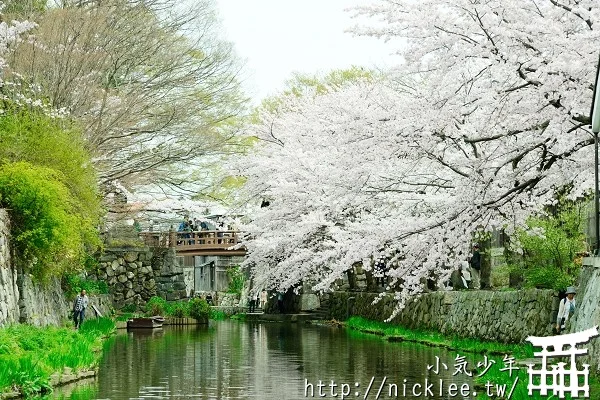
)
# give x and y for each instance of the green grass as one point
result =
(400, 333)
(95, 327)
(125, 316)
(494, 350)
(30, 355)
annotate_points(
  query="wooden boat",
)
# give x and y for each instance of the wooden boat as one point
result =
(145, 323)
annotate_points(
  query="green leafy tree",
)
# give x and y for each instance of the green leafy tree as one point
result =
(236, 279)
(50, 234)
(552, 246)
(49, 187)
(53, 143)
(73, 284)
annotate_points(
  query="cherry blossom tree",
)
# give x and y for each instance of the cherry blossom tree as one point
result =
(509, 85)
(345, 182)
(483, 123)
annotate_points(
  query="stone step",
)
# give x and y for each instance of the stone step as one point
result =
(321, 313)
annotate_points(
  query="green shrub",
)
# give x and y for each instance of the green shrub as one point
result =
(74, 284)
(56, 144)
(239, 317)
(157, 306)
(49, 233)
(548, 277)
(551, 257)
(179, 310)
(125, 317)
(199, 309)
(49, 186)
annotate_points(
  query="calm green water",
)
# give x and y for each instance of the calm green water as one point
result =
(237, 360)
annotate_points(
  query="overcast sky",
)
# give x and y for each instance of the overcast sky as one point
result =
(278, 37)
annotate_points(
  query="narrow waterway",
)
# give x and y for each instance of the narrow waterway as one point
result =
(237, 360)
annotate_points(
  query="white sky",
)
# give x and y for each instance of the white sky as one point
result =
(278, 37)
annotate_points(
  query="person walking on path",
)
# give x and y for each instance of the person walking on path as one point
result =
(79, 306)
(566, 309)
(475, 263)
(263, 299)
(466, 275)
(252, 302)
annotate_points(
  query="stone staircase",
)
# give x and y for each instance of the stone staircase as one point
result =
(323, 311)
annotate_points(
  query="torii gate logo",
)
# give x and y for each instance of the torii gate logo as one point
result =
(538, 379)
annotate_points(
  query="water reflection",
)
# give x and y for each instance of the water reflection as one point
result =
(234, 360)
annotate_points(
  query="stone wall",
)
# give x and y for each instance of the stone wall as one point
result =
(587, 312)
(42, 304)
(22, 300)
(228, 299)
(9, 291)
(134, 275)
(508, 316)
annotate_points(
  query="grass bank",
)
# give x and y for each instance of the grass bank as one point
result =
(502, 381)
(399, 333)
(30, 355)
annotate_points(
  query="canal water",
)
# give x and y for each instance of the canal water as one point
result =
(241, 360)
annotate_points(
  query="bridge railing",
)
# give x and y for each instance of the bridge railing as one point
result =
(195, 240)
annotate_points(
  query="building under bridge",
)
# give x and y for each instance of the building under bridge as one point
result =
(204, 255)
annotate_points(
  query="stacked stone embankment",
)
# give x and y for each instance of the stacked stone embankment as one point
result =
(134, 275)
(503, 316)
(129, 275)
(23, 300)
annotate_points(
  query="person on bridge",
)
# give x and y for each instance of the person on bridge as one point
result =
(188, 228)
(220, 228)
(181, 228)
